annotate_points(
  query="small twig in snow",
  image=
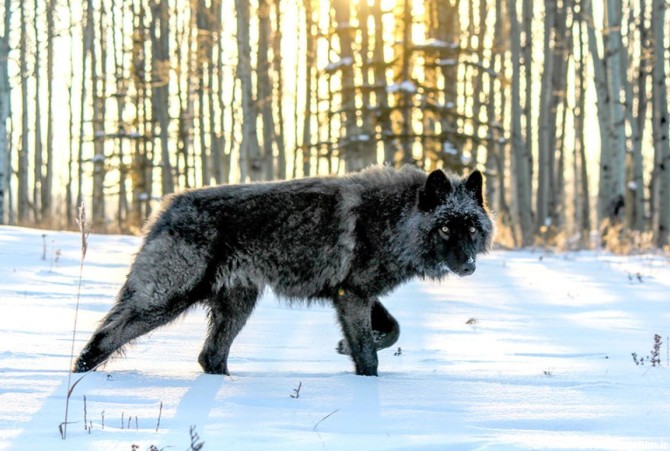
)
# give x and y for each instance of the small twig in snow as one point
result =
(85, 230)
(85, 422)
(196, 445)
(160, 412)
(322, 419)
(297, 391)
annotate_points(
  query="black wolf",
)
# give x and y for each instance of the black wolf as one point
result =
(346, 240)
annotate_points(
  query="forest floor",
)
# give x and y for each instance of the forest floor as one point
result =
(532, 351)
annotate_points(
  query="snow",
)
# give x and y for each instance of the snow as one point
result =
(438, 44)
(403, 86)
(346, 61)
(449, 148)
(446, 61)
(532, 351)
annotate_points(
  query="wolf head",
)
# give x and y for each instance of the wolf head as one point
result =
(451, 225)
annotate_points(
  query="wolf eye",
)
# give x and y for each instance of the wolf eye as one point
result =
(473, 231)
(444, 229)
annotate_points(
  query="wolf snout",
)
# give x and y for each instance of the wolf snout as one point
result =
(467, 268)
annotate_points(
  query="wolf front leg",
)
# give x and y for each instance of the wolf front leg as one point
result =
(354, 314)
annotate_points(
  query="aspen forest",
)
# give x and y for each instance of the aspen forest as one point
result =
(562, 104)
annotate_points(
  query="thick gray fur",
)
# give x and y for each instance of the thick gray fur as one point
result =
(347, 240)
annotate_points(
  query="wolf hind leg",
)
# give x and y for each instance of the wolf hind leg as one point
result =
(229, 311)
(166, 278)
(385, 329)
(129, 319)
(354, 314)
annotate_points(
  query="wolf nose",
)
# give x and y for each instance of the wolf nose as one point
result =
(468, 268)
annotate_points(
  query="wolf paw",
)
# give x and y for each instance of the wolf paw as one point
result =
(82, 366)
(378, 337)
(343, 347)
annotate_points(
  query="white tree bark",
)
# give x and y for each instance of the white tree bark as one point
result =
(546, 128)
(23, 199)
(160, 53)
(636, 116)
(603, 111)
(5, 106)
(660, 124)
(264, 87)
(250, 155)
(47, 181)
(521, 188)
(37, 182)
(614, 192)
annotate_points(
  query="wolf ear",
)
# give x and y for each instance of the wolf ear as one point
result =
(436, 189)
(474, 185)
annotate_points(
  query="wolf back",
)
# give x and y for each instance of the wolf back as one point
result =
(347, 240)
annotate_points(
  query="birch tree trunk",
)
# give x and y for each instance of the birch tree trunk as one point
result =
(264, 88)
(160, 81)
(71, 132)
(350, 150)
(443, 30)
(5, 106)
(581, 189)
(225, 158)
(23, 199)
(604, 115)
(380, 82)
(87, 43)
(405, 96)
(563, 46)
(636, 116)
(98, 87)
(203, 61)
(47, 181)
(186, 99)
(120, 95)
(528, 68)
(521, 192)
(478, 83)
(613, 196)
(37, 181)
(547, 123)
(660, 123)
(221, 159)
(140, 167)
(432, 148)
(310, 62)
(251, 161)
(496, 190)
(279, 108)
(366, 145)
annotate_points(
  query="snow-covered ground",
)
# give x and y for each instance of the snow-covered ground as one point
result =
(532, 351)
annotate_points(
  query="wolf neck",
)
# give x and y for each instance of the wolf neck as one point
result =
(381, 231)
